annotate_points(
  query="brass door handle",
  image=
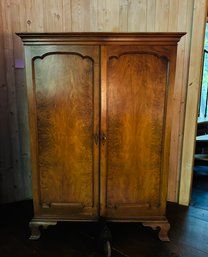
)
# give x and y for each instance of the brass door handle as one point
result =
(103, 138)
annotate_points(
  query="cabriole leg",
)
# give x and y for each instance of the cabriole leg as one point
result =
(164, 227)
(35, 227)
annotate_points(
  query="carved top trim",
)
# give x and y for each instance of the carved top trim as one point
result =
(62, 53)
(155, 54)
(101, 37)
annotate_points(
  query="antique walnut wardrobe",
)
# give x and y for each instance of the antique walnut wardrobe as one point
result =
(100, 108)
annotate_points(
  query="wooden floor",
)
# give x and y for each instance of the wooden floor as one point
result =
(188, 234)
(200, 187)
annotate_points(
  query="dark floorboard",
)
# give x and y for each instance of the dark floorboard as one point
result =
(188, 234)
(200, 188)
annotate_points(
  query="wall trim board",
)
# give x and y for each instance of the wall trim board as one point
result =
(192, 100)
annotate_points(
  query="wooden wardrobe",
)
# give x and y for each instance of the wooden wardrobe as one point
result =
(100, 114)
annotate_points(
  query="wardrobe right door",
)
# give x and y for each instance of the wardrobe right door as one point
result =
(135, 130)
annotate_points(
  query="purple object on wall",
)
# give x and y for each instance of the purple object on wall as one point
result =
(19, 64)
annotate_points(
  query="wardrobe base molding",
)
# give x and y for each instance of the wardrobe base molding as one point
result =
(36, 224)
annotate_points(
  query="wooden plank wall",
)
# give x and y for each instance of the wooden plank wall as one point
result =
(78, 15)
(5, 143)
(193, 94)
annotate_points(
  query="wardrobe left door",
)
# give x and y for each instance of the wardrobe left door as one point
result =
(63, 97)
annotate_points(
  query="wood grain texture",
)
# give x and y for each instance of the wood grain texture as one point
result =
(22, 107)
(183, 23)
(194, 78)
(173, 13)
(123, 15)
(80, 12)
(151, 12)
(67, 18)
(53, 19)
(162, 14)
(13, 175)
(100, 109)
(65, 128)
(103, 125)
(101, 15)
(137, 16)
(5, 146)
(133, 123)
(180, 25)
(34, 15)
(64, 89)
(89, 38)
(48, 191)
(93, 15)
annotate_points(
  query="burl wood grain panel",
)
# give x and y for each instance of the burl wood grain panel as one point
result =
(136, 89)
(64, 99)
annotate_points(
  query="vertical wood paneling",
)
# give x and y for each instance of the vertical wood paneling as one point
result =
(85, 15)
(24, 175)
(101, 14)
(162, 15)
(173, 15)
(94, 14)
(173, 174)
(80, 15)
(24, 12)
(137, 16)
(20, 23)
(67, 17)
(33, 15)
(197, 42)
(5, 146)
(112, 18)
(123, 15)
(11, 177)
(184, 89)
(151, 12)
(53, 18)
(181, 26)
